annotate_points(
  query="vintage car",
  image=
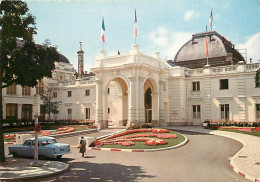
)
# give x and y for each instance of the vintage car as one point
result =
(47, 148)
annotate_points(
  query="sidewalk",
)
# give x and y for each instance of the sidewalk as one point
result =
(245, 162)
(17, 169)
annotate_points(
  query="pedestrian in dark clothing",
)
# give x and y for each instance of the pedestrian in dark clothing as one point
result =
(83, 144)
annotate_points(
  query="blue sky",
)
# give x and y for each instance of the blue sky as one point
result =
(163, 26)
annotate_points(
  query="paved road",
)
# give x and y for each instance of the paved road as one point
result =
(203, 159)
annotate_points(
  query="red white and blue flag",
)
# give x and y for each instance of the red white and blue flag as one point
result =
(103, 31)
(211, 19)
(135, 25)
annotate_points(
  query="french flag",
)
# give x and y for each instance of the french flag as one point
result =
(135, 25)
(103, 31)
(211, 20)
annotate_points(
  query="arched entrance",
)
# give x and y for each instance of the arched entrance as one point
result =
(116, 102)
(151, 102)
(148, 105)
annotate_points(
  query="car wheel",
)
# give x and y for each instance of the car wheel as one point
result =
(59, 156)
(15, 155)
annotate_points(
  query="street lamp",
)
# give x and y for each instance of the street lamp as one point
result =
(36, 109)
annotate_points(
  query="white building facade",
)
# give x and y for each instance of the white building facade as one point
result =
(134, 87)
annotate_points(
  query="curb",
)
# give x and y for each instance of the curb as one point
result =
(66, 168)
(232, 160)
(138, 150)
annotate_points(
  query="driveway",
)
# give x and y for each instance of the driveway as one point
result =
(203, 158)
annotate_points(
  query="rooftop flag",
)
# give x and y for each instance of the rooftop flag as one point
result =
(210, 20)
(103, 31)
(207, 53)
(135, 25)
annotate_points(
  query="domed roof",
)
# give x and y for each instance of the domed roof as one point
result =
(63, 59)
(218, 47)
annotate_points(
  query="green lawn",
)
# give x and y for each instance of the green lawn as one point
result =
(254, 133)
(140, 145)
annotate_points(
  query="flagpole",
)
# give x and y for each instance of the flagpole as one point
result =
(135, 30)
(207, 46)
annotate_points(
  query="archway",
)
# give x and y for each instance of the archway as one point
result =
(148, 105)
(151, 102)
(116, 102)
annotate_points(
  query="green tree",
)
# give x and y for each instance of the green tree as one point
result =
(49, 106)
(22, 61)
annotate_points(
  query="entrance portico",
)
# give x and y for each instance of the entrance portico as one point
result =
(137, 75)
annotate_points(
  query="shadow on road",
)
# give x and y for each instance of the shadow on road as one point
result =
(87, 171)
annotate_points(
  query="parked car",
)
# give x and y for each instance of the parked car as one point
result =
(47, 148)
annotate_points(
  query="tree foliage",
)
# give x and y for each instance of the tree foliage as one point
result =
(22, 61)
(49, 106)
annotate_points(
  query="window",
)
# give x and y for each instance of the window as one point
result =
(87, 92)
(28, 142)
(257, 111)
(164, 86)
(195, 86)
(108, 91)
(108, 110)
(26, 90)
(69, 113)
(40, 88)
(69, 93)
(27, 111)
(87, 113)
(224, 108)
(55, 94)
(196, 111)
(223, 84)
(11, 111)
(11, 89)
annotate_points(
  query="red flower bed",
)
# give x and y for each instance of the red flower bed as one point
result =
(257, 129)
(241, 129)
(125, 139)
(244, 129)
(161, 131)
(155, 142)
(44, 132)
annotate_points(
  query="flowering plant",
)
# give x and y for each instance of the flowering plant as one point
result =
(127, 138)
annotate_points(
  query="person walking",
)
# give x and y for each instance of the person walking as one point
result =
(83, 144)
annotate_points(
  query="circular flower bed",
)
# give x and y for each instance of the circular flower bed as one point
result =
(150, 137)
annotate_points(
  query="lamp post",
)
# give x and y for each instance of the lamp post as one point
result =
(36, 115)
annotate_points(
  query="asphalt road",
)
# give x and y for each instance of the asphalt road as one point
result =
(203, 159)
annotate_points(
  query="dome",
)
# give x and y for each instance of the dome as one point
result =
(220, 51)
(63, 59)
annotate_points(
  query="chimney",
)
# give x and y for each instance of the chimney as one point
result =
(80, 61)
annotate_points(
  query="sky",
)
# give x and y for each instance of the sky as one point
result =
(163, 26)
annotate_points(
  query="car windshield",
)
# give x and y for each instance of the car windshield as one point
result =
(50, 141)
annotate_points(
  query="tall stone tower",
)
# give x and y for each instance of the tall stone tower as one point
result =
(80, 61)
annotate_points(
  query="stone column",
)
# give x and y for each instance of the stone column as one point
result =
(131, 101)
(19, 111)
(140, 105)
(99, 104)
(161, 101)
(155, 109)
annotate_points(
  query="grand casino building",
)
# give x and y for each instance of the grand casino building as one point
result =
(135, 87)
